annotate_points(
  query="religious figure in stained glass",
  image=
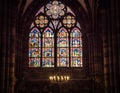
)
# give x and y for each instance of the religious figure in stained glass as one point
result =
(34, 62)
(76, 48)
(34, 48)
(63, 62)
(62, 48)
(62, 42)
(47, 62)
(48, 42)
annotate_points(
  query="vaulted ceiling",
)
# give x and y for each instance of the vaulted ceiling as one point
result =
(28, 2)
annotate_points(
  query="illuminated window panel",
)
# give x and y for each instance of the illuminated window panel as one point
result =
(34, 48)
(76, 48)
(55, 9)
(48, 33)
(34, 62)
(76, 52)
(48, 42)
(48, 48)
(62, 48)
(76, 42)
(34, 52)
(76, 33)
(47, 62)
(34, 33)
(41, 21)
(62, 33)
(76, 62)
(69, 21)
(62, 42)
(34, 42)
(55, 38)
(63, 62)
(48, 52)
(63, 52)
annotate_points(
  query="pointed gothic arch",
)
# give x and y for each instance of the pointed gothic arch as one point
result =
(72, 19)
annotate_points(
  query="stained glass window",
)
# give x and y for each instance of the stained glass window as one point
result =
(55, 9)
(55, 38)
(62, 48)
(48, 48)
(76, 48)
(34, 48)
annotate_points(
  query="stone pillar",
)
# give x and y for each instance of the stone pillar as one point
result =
(8, 46)
(91, 60)
(105, 50)
(118, 40)
(12, 24)
(98, 62)
(115, 51)
(3, 45)
(95, 62)
(111, 52)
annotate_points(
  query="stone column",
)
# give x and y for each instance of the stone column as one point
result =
(118, 39)
(115, 51)
(8, 46)
(3, 44)
(12, 24)
(91, 60)
(105, 50)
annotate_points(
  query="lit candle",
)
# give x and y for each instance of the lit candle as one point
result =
(68, 77)
(51, 78)
(61, 78)
(58, 78)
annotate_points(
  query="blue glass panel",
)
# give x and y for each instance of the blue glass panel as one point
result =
(34, 42)
(75, 42)
(76, 33)
(34, 52)
(34, 62)
(76, 62)
(76, 52)
(47, 62)
(48, 33)
(34, 33)
(62, 33)
(48, 42)
(63, 62)
(63, 52)
(48, 52)
(62, 42)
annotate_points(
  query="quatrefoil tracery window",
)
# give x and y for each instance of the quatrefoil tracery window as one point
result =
(55, 38)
